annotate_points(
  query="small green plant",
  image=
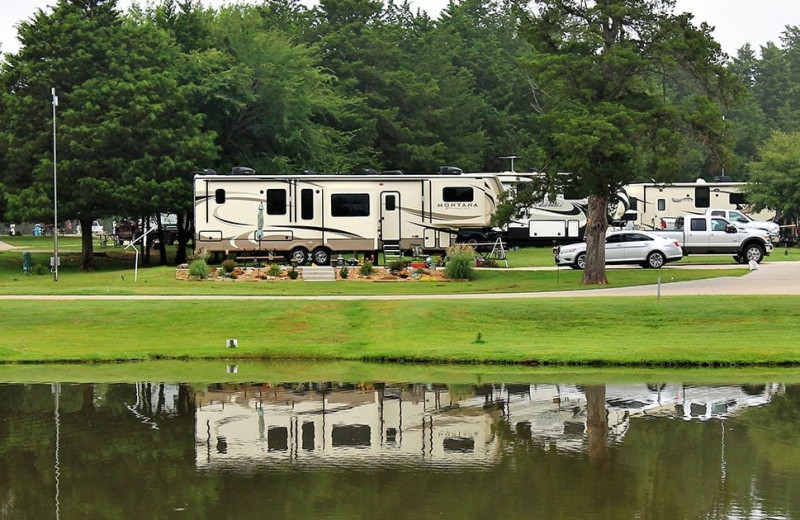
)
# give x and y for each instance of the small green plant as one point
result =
(366, 268)
(229, 265)
(459, 267)
(293, 273)
(397, 265)
(344, 272)
(274, 270)
(199, 268)
(39, 269)
(479, 339)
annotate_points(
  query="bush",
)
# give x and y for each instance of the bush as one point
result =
(274, 270)
(344, 271)
(229, 265)
(293, 273)
(366, 268)
(459, 267)
(199, 268)
(40, 269)
(397, 265)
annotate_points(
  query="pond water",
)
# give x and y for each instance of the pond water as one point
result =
(415, 450)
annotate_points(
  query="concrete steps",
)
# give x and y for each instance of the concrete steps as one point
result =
(318, 274)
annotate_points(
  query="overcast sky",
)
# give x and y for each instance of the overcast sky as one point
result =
(737, 21)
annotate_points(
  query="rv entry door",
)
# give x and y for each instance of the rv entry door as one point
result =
(390, 216)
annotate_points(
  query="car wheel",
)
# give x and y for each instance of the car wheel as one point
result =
(753, 252)
(655, 260)
(580, 261)
(321, 256)
(299, 255)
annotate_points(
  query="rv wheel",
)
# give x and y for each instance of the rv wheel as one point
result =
(299, 255)
(321, 256)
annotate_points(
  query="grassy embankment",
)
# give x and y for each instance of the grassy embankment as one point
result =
(580, 331)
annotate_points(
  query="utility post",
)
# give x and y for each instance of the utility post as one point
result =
(55, 191)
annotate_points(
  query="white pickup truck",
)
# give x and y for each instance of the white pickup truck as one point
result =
(740, 219)
(705, 234)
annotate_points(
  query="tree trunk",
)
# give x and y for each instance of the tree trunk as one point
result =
(87, 245)
(596, 227)
(184, 235)
(596, 420)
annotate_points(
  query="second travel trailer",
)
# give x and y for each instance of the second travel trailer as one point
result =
(653, 205)
(313, 216)
(557, 219)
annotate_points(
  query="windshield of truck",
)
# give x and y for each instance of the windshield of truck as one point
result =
(739, 217)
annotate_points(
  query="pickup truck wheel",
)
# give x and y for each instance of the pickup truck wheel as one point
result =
(753, 252)
(655, 260)
(580, 261)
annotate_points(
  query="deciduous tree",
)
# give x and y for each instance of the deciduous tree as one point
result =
(609, 73)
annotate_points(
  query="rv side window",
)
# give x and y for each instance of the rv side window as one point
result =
(276, 202)
(350, 205)
(457, 194)
(307, 204)
(634, 203)
(737, 199)
(219, 196)
(662, 204)
(702, 197)
(697, 224)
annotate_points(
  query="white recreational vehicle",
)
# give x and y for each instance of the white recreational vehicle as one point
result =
(560, 220)
(646, 205)
(311, 216)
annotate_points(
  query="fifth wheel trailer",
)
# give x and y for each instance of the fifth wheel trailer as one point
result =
(312, 216)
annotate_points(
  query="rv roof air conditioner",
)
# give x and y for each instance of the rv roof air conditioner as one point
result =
(723, 178)
(205, 171)
(450, 170)
(392, 172)
(308, 172)
(366, 171)
(242, 170)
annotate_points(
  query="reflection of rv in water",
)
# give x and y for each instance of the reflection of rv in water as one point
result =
(403, 425)
(645, 205)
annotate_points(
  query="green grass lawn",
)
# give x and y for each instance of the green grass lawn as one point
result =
(587, 331)
(602, 331)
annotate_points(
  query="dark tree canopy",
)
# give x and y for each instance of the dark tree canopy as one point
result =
(627, 88)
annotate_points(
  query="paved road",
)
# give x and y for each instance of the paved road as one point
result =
(769, 278)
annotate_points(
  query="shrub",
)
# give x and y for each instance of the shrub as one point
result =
(460, 249)
(459, 267)
(366, 268)
(397, 265)
(274, 270)
(344, 271)
(293, 273)
(39, 269)
(199, 268)
(229, 265)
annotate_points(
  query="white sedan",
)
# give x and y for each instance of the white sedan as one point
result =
(625, 247)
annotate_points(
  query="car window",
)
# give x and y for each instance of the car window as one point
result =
(615, 239)
(637, 237)
(718, 225)
(697, 224)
